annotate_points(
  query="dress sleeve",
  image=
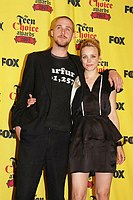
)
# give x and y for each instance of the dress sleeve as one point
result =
(105, 75)
(107, 85)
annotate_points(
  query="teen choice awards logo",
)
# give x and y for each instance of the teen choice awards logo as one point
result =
(42, 5)
(26, 30)
(83, 31)
(10, 170)
(101, 9)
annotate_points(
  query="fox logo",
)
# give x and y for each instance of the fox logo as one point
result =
(1, 24)
(75, 3)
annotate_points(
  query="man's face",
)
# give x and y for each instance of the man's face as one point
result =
(62, 32)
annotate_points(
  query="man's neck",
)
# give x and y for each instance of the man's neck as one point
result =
(59, 51)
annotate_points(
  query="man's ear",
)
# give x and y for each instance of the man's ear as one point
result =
(74, 35)
(51, 33)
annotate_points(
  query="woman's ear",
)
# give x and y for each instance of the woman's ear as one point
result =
(99, 61)
(100, 58)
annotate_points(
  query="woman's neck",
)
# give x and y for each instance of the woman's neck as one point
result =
(91, 75)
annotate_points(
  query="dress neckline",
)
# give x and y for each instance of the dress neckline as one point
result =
(91, 89)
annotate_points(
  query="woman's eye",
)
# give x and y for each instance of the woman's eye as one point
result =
(83, 57)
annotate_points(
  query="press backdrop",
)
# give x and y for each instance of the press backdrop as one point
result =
(24, 28)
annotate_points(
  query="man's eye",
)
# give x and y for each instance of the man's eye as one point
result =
(68, 29)
(58, 27)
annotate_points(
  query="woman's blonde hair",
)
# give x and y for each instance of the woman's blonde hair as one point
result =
(90, 43)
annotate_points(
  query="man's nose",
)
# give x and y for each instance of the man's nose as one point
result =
(63, 31)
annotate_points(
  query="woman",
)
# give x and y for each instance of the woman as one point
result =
(95, 145)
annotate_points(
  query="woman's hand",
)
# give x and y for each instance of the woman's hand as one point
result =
(31, 100)
(18, 130)
(120, 155)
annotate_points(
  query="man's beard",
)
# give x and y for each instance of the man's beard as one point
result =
(62, 44)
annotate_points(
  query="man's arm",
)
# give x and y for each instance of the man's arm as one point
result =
(26, 88)
(114, 79)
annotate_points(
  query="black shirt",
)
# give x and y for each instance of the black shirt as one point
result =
(64, 73)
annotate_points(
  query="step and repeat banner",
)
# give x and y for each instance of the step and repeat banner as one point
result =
(24, 27)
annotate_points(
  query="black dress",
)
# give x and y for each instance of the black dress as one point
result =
(94, 136)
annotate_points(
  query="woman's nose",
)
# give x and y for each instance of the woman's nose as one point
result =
(88, 60)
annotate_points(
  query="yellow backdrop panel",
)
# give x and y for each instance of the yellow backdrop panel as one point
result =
(24, 28)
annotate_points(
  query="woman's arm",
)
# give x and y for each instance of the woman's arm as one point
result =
(113, 114)
(114, 118)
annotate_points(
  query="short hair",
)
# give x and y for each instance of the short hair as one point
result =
(61, 17)
(91, 43)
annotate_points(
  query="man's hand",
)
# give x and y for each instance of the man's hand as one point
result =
(18, 130)
(115, 78)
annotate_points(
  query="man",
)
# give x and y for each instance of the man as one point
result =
(44, 128)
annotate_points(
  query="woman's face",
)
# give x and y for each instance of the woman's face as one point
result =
(90, 58)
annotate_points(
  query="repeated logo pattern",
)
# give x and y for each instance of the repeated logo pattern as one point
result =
(24, 29)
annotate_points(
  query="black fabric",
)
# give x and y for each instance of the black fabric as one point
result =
(39, 84)
(63, 76)
(33, 143)
(34, 139)
(94, 136)
(49, 151)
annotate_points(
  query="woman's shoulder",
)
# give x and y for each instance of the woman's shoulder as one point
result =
(106, 84)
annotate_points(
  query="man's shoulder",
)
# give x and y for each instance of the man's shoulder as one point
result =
(74, 56)
(40, 53)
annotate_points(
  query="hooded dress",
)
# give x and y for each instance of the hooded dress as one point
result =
(93, 145)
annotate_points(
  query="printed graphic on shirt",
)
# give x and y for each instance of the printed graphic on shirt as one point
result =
(63, 75)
